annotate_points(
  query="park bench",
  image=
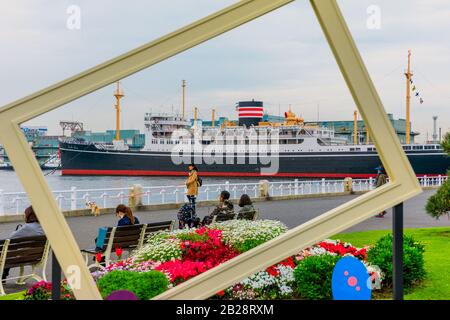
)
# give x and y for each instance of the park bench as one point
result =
(157, 226)
(21, 253)
(127, 238)
(249, 215)
(224, 217)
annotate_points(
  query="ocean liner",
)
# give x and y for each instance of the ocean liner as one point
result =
(248, 148)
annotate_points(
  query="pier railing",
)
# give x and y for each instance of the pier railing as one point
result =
(76, 199)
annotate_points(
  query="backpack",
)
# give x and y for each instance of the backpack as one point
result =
(199, 181)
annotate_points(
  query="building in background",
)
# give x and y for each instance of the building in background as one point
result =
(345, 129)
(133, 138)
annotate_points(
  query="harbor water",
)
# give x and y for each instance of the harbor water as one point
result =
(9, 182)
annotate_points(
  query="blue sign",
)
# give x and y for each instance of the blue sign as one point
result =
(350, 280)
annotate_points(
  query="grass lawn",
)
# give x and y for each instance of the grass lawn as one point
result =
(13, 296)
(437, 259)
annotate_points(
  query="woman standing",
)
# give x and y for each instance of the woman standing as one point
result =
(192, 185)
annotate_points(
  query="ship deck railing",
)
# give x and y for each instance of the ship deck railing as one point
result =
(13, 203)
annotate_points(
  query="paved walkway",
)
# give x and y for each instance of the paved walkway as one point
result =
(291, 212)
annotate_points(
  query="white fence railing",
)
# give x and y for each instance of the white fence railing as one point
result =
(74, 199)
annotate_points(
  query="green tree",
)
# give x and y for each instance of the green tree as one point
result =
(446, 142)
(439, 203)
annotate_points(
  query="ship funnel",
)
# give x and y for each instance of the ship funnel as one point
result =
(250, 112)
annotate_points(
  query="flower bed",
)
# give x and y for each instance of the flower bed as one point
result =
(170, 258)
(43, 291)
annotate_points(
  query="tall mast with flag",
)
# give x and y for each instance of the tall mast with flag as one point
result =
(408, 75)
(409, 83)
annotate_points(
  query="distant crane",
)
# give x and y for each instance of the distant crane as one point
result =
(73, 126)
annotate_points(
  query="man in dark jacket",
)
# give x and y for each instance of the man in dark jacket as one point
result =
(225, 206)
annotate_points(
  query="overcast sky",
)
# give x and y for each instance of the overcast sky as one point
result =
(281, 59)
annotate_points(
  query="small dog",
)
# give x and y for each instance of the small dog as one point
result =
(95, 209)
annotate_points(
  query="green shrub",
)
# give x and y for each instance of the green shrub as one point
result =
(413, 261)
(439, 203)
(145, 285)
(313, 276)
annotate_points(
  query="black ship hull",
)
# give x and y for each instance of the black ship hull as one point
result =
(80, 159)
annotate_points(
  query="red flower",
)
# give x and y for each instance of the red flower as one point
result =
(119, 252)
(338, 248)
(289, 262)
(221, 293)
(198, 256)
(273, 271)
(99, 257)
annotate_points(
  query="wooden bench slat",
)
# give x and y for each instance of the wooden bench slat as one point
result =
(126, 245)
(28, 239)
(24, 259)
(118, 240)
(162, 223)
(24, 252)
(25, 245)
(121, 233)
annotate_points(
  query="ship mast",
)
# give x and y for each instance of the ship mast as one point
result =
(183, 85)
(195, 117)
(355, 127)
(408, 75)
(119, 95)
(213, 118)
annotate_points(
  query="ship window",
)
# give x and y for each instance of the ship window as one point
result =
(429, 147)
(352, 149)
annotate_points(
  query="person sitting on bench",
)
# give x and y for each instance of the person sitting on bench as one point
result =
(31, 228)
(247, 207)
(125, 215)
(126, 218)
(225, 206)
